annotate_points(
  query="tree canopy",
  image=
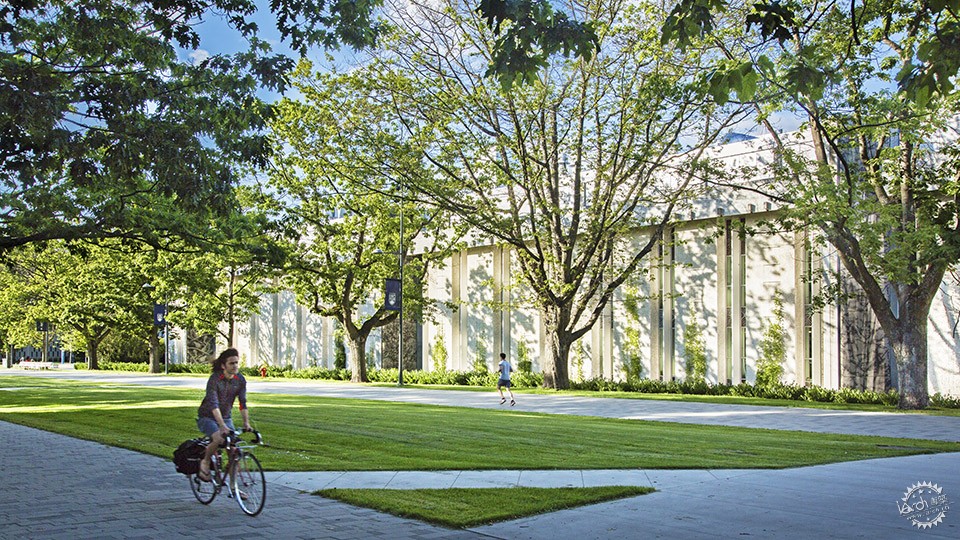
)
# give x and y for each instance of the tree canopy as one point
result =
(340, 189)
(109, 129)
(564, 170)
(874, 84)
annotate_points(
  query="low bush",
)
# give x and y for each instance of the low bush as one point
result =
(124, 366)
(317, 372)
(201, 367)
(946, 402)
(816, 393)
(272, 371)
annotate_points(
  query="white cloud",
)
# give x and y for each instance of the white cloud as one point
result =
(198, 56)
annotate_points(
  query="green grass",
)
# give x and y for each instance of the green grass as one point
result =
(462, 508)
(306, 433)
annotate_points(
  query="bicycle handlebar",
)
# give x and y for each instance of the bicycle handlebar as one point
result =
(236, 435)
(256, 434)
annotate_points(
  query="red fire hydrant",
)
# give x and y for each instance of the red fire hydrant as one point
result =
(263, 371)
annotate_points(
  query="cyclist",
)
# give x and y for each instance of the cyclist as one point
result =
(213, 417)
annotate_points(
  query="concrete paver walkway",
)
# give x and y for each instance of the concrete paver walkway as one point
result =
(312, 481)
(53, 486)
(57, 487)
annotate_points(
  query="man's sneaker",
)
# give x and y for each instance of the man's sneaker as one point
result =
(512, 403)
(503, 400)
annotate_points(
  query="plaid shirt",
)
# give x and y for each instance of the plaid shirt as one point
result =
(220, 395)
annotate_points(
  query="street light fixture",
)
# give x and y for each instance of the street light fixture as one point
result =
(160, 318)
(394, 302)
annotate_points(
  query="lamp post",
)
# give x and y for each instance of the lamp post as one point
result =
(166, 337)
(394, 298)
(400, 319)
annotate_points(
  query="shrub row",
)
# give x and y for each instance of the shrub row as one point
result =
(774, 391)
(534, 380)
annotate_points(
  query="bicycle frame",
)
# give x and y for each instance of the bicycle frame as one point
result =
(242, 470)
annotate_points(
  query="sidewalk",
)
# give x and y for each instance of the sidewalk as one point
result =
(59, 491)
(312, 481)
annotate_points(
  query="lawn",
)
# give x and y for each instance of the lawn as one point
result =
(305, 433)
(470, 507)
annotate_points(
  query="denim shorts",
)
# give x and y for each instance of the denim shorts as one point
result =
(209, 426)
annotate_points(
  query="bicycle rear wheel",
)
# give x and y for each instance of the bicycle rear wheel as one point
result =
(205, 492)
(249, 484)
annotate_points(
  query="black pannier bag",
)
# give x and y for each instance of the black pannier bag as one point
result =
(188, 455)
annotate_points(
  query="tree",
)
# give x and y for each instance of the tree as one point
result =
(109, 131)
(17, 315)
(95, 290)
(881, 185)
(925, 36)
(86, 293)
(528, 33)
(341, 186)
(225, 284)
(240, 284)
(565, 170)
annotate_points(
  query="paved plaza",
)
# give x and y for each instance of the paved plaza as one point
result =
(59, 487)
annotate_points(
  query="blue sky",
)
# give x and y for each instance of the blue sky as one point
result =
(217, 37)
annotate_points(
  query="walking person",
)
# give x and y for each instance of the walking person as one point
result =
(504, 381)
(225, 385)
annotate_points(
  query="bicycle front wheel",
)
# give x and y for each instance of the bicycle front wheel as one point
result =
(205, 492)
(249, 484)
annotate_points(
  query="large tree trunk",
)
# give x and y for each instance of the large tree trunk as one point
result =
(357, 346)
(92, 346)
(155, 351)
(903, 311)
(910, 350)
(905, 330)
(555, 373)
(556, 366)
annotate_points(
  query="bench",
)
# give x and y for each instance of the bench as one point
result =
(33, 364)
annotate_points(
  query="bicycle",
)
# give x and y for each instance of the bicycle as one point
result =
(246, 480)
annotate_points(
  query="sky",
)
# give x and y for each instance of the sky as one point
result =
(217, 37)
